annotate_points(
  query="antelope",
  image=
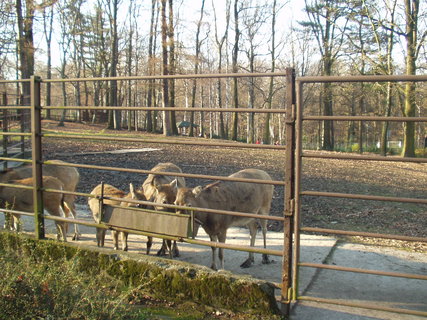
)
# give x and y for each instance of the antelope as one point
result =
(231, 196)
(22, 200)
(151, 188)
(111, 191)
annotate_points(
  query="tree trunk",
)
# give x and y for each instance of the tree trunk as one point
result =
(411, 15)
(167, 128)
(172, 70)
(234, 134)
(266, 136)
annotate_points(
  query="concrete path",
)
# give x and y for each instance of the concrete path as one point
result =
(347, 286)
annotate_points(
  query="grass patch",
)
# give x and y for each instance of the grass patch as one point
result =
(56, 289)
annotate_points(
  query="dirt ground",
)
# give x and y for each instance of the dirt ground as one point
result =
(343, 176)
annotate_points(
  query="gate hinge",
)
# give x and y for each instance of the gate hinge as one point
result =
(290, 119)
(289, 211)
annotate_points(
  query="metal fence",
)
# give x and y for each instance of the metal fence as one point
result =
(301, 194)
(294, 195)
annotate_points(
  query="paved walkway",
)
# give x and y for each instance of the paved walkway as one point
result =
(351, 287)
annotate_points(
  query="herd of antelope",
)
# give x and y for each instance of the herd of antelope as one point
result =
(159, 189)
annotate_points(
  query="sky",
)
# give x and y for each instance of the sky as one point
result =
(188, 12)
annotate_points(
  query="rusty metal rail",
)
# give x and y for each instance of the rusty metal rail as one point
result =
(164, 141)
(364, 234)
(308, 154)
(363, 305)
(177, 174)
(366, 271)
(362, 197)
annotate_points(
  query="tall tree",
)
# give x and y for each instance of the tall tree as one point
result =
(196, 66)
(115, 117)
(167, 127)
(252, 21)
(325, 22)
(172, 66)
(150, 66)
(25, 19)
(235, 69)
(266, 134)
(413, 46)
(48, 28)
(220, 44)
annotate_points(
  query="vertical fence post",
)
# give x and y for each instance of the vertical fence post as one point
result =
(37, 157)
(286, 295)
(5, 129)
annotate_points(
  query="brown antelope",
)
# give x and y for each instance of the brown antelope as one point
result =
(22, 200)
(69, 176)
(231, 196)
(94, 205)
(166, 194)
(151, 191)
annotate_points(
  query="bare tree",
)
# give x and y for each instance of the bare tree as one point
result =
(114, 121)
(196, 66)
(324, 20)
(414, 42)
(167, 127)
(220, 44)
(235, 69)
(48, 28)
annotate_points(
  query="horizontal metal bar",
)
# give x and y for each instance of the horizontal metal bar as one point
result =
(309, 154)
(177, 76)
(186, 175)
(23, 213)
(18, 186)
(25, 134)
(15, 108)
(15, 81)
(168, 141)
(76, 221)
(378, 306)
(362, 197)
(181, 109)
(172, 206)
(15, 159)
(365, 271)
(233, 247)
(365, 118)
(364, 234)
(365, 78)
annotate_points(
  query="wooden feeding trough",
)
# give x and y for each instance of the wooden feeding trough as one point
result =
(159, 222)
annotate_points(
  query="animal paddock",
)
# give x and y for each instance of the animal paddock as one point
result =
(313, 194)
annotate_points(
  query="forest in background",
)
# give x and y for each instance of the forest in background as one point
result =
(118, 38)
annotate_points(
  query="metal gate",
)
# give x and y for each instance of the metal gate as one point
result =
(301, 194)
(294, 195)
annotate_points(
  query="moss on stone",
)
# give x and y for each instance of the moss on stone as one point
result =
(170, 280)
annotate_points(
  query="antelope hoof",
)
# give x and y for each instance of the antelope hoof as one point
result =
(76, 237)
(246, 264)
(176, 253)
(161, 252)
(265, 259)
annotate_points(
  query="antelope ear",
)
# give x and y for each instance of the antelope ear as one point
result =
(174, 184)
(132, 190)
(197, 190)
